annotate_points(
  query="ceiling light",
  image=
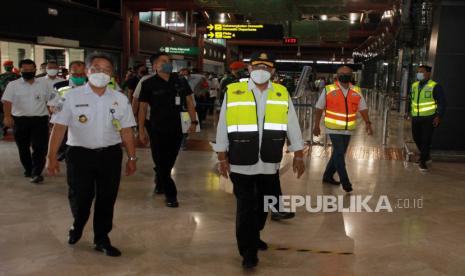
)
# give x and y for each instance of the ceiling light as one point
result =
(353, 16)
(324, 17)
(222, 18)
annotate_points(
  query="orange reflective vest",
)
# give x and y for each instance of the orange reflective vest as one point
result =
(341, 111)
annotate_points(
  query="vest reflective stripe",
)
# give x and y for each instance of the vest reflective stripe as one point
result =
(241, 103)
(422, 102)
(341, 112)
(286, 103)
(338, 122)
(242, 128)
(272, 126)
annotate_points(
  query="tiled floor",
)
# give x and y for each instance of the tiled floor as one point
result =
(198, 238)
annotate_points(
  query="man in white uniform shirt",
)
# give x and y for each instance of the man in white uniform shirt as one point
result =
(52, 74)
(25, 107)
(98, 120)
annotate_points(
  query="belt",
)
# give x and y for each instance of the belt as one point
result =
(99, 149)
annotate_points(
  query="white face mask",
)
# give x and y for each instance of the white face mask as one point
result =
(52, 72)
(420, 76)
(99, 79)
(260, 76)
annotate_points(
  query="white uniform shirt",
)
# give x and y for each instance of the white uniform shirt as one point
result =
(51, 81)
(293, 133)
(321, 104)
(89, 117)
(28, 99)
(136, 93)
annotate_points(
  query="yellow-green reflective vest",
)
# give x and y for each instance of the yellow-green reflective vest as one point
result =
(242, 124)
(422, 102)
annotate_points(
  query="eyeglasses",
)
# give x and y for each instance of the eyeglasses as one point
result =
(101, 70)
(261, 66)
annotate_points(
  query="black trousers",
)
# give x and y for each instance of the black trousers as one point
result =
(94, 173)
(148, 128)
(250, 217)
(422, 132)
(32, 132)
(165, 148)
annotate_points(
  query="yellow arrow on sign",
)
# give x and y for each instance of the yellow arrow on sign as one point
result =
(210, 27)
(211, 35)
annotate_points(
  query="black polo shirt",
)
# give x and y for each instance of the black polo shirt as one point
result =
(161, 96)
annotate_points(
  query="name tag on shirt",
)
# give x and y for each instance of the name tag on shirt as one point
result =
(81, 105)
(178, 100)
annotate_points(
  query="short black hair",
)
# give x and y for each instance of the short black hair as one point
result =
(52, 62)
(157, 55)
(101, 55)
(426, 67)
(27, 61)
(76, 62)
(137, 66)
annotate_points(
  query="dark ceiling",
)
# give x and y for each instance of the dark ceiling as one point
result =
(326, 29)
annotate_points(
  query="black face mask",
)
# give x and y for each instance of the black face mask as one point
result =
(242, 74)
(28, 75)
(344, 78)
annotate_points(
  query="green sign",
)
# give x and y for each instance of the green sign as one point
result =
(193, 51)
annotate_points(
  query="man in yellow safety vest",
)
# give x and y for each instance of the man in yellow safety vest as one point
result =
(255, 119)
(427, 107)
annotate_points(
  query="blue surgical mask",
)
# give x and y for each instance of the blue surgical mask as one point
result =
(167, 68)
(420, 76)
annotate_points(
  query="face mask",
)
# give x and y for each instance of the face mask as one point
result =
(52, 72)
(167, 68)
(344, 78)
(8, 68)
(241, 74)
(28, 75)
(420, 76)
(260, 76)
(78, 80)
(99, 79)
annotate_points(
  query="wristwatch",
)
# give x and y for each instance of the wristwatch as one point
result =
(195, 122)
(132, 158)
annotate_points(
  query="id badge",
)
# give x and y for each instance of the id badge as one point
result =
(116, 124)
(178, 100)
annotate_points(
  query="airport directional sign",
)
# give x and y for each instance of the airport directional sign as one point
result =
(245, 31)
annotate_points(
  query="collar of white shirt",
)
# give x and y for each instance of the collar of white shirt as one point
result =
(88, 90)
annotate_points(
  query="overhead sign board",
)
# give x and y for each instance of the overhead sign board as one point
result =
(290, 41)
(192, 51)
(245, 31)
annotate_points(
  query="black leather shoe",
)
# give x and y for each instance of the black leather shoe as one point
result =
(37, 179)
(347, 187)
(262, 245)
(331, 181)
(172, 203)
(282, 215)
(249, 263)
(108, 249)
(74, 236)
